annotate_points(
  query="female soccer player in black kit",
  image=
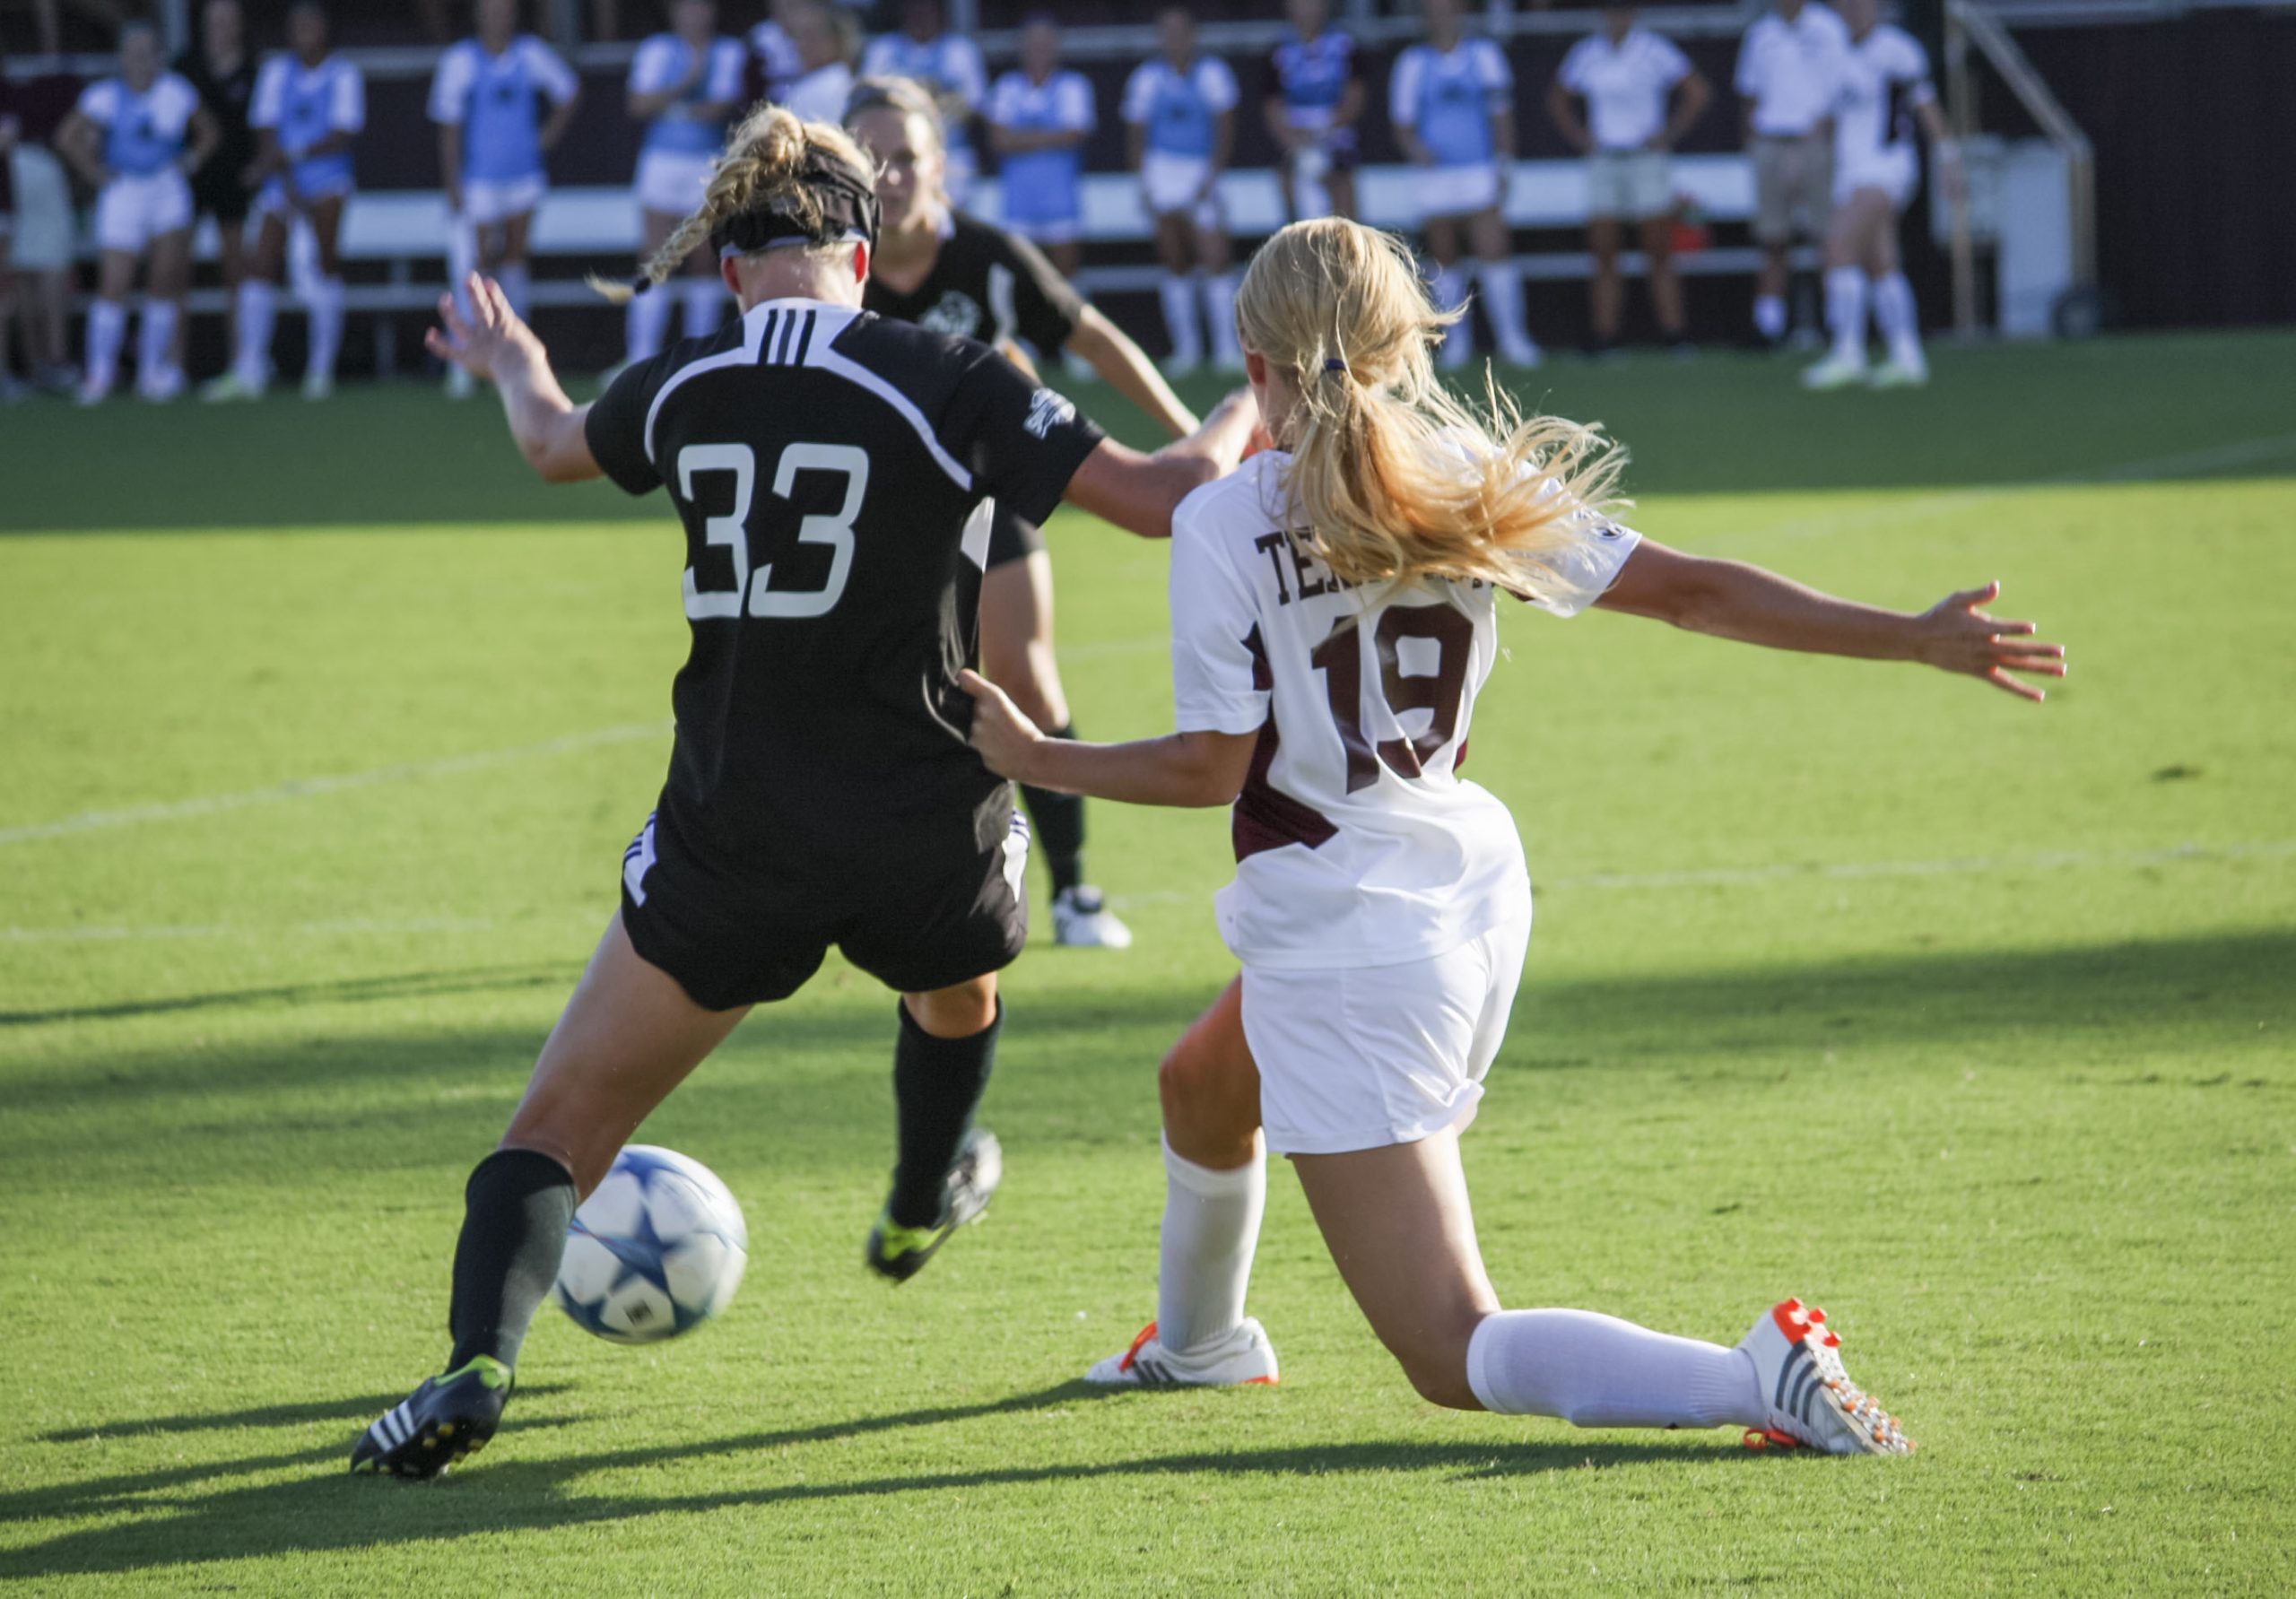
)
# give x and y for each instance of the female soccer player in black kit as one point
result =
(954, 274)
(832, 470)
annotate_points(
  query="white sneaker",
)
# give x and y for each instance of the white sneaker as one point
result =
(91, 392)
(1812, 1403)
(228, 388)
(161, 386)
(1457, 351)
(460, 384)
(1178, 367)
(319, 385)
(1526, 354)
(1242, 1358)
(1082, 920)
(1895, 373)
(1833, 372)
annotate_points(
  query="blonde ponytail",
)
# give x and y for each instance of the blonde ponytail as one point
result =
(762, 170)
(1394, 478)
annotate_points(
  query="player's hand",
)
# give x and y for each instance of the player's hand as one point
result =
(484, 342)
(1956, 635)
(1001, 730)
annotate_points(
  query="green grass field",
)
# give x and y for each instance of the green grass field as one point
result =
(322, 732)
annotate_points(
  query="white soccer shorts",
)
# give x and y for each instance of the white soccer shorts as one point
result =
(672, 182)
(1361, 1057)
(133, 212)
(1170, 183)
(1457, 191)
(486, 202)
(1894, 172)
(272, 195)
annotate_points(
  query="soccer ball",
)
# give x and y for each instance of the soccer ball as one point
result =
(656, 1251)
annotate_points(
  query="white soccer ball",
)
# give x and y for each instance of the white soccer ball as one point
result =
(656, 1251)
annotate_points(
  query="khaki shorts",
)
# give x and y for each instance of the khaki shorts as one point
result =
(1629, 184)
(1793, 186)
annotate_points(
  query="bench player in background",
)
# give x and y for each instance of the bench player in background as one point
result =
(221, 67)
(1451, 99)
(1787, 67)
(1180, 119)
(1641, 95)
(135, 138)
(821, 46)
(1883, 94)
(1312, 100)
(927, 51)
(309, 104)
(949, 272)
(685, 86)
(1334, 614)
(832, 471)
(1039, 114)
(487, 98)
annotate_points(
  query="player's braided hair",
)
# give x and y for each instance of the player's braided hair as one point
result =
(1395, 479)
(804, 176)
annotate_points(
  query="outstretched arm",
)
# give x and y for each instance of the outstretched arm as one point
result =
(1140, 492)
(1732, 600)
(1126, 368)
(1180, 769)
(493, 344)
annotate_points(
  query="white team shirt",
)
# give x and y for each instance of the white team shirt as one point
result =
(1210, 82)
(950, 65)
(1063, 101)
(1429, 89)
(344, 85)
(166, 106)
(1357, 841)
(1883, 76)
(777, 59)
(465, 61)
(1789, 71)
(659, 64)
(1625, 84)
(819, 95)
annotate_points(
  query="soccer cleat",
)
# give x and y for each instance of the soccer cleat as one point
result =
(1526, 354)
(898, 1253)
(1812, 1403)
(1895, 373)
(161, 386)
(319, 385)
(1833, 372)
(438, 1424)
(1243, 1356)
(230, 388)
(92, 392)
(460, 384)
(1082, 920)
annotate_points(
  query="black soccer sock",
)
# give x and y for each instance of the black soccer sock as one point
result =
(1059, 823)
(937, 1082)
(516, 1208)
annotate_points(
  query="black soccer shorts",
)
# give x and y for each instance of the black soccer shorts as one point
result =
(752, 941)
(1011, 539)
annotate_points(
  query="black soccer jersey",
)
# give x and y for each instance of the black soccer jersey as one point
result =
(832, 470)
(987, 284)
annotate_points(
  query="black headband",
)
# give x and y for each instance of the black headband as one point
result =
(844, 197)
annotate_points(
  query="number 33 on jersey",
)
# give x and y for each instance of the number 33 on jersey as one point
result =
(1357, 843)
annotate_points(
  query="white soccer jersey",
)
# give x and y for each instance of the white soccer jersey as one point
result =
(1357, 841)
(1789, 72)
(1883, 77)
(1625, 84)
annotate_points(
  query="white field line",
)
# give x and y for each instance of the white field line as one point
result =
(90, 822)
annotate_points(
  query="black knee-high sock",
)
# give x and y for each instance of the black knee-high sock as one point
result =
(1059, 820)
(516, 1211)
(936, 1085)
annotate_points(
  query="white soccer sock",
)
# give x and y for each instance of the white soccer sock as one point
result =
(1900, 323)
(155, 340)
(326, 303)
(1598, 1372)
(1502, 297)
(1451, 294)
(107, 332)
(462, 260)
(649, 322)
(519, 288)
(1846, 312)
(1220, 314)
(1210, 1228)
(1770, 316)
(1178, 292)
(258, 314)
(705, 307)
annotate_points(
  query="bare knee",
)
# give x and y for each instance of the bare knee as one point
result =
(955, 1013)
(1434, 1357)
(1209, 1086)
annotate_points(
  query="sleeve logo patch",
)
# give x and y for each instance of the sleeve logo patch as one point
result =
(1048, 411)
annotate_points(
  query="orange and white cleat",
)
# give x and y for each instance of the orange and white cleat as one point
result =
(1812, 1403)
(1243, 1357)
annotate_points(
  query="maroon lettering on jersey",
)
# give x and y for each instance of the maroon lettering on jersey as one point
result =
(1266, 817)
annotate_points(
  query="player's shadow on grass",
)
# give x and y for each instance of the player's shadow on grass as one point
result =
(360, 1408)
(411, 985)
(329, 1510)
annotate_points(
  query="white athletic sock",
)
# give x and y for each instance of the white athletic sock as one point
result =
(258, 314)
(649, 322)
(519, 288)
(462, 260)
(1178, 292)
(705, 307)
(1210, 1228)
(1900, 324)
(1846, 312)
(1598, 1372)
(1770, 316)
(1451, 294)
(1502, 297)
(326, 300)
(155, 340)
(107, 332)
(1220, 316)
